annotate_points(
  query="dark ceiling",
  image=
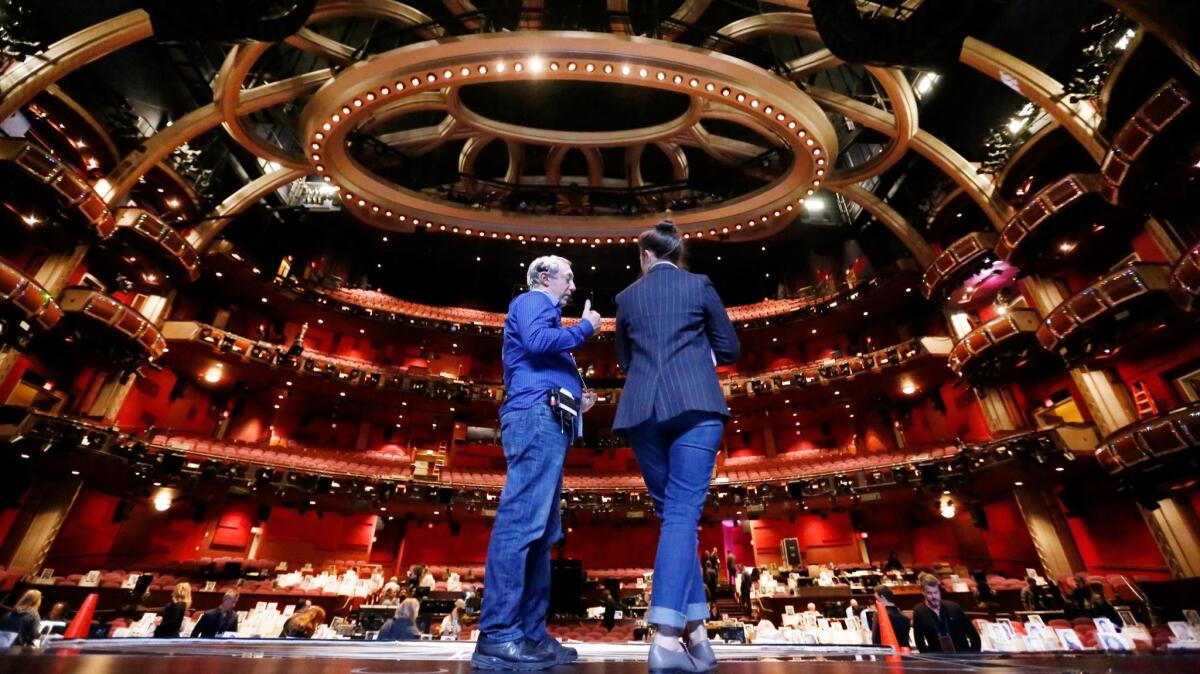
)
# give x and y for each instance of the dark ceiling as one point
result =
(163, 81)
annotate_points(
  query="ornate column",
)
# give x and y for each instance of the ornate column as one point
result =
(1048, 528)
(1177, 534)
(38, 524)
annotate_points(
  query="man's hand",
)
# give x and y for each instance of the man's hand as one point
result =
(589, 399)
(590, 316)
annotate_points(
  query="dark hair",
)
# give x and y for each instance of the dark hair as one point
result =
(663, 240)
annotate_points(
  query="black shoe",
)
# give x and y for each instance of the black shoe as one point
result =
(519, 654)
(563, 655)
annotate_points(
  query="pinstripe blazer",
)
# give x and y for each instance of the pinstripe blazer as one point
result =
(670, 324)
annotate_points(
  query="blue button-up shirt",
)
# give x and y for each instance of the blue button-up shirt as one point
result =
(537, 351)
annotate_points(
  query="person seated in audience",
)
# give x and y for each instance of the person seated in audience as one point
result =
(173, 612)
(852, 608)
(414, 578)
(392, 584)
(391, 596)
(900, 623)
(984, 594)
(24, 620)
(403, 627)
(218, 620)
(941, 626)
(452, 623)
(893, 562)
(59, 611)
(811, 608)
(1101, 607)
(303, 625)
(303, 605)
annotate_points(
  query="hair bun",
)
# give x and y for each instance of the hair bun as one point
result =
(667, 227)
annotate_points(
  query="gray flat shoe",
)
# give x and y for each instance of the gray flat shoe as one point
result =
(663, 661)
(702, 652)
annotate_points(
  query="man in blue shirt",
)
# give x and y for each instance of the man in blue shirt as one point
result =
(537, 361)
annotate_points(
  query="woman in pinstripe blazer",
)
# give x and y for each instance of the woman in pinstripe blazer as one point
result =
(671, 330)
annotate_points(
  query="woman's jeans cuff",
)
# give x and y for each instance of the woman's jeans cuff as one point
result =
(659, 615)
(697, 612)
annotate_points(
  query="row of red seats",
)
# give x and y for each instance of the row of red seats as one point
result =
(762, 469)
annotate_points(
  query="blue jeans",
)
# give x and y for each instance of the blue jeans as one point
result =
(528, 523)
(677, 458)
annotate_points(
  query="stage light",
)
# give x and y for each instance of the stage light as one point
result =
(908, 389)
(214, 373)
(162, 501)
(947, 507)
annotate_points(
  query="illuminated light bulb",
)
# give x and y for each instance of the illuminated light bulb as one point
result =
(518, 67)
(624, 69)
(536, 64)
(214, 373)
(908, 389)
(162, 502)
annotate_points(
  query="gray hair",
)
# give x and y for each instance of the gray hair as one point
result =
(551, 264)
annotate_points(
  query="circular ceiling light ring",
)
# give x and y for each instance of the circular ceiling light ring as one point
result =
(242, 58)
(550, 137)
(509, 56)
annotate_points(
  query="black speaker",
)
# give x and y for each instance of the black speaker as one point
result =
(795, 490)
(857, 521)
(444, 495)
(929, 473)
(1073, 501)
(121, 512)
(178, 389)
(262, 514)
(978, 517)
(789, 548)
(455, 528)
(566, 587)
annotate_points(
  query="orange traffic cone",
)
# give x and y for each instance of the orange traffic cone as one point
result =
(887, 635)
(78, 629)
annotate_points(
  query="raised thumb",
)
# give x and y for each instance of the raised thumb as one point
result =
(587, 306)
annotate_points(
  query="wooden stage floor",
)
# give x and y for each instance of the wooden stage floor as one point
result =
(184, 656)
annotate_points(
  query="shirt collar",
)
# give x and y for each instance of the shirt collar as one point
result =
(666, 262)
(548, 295)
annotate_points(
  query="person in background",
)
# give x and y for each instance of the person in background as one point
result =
(749, 579)
(900, 624)
(852, 609)
(893, 562)
(391, 596)
(403, 627)
(1080, 596)
(731, 567)
(392, 584)
(941, 626)
(218, 620)
(414, 579)
(428, 582)
(173, 612)
(452, 623)
(303, 625)
(1031, 597)
(1101, 607)
(59, 611)
(610, 609)
(24, 620)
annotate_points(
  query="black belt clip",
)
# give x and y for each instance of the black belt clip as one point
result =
(566, 407)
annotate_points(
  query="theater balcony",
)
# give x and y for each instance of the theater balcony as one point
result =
(1141, 157)
(25, 306)
(917, 364)
(1099, 320)
(967, 272)
(996, 348)
(116, 329)
(153, 237)
(46, 172)
(1185, 280)
(237, 277)
(1067, 219)
(1161, 444)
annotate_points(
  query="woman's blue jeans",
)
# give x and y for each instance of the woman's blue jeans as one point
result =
(677, 458)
